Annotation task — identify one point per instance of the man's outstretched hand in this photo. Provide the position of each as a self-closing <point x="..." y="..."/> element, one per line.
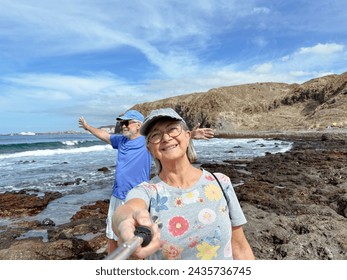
<point x="202" y="133"/>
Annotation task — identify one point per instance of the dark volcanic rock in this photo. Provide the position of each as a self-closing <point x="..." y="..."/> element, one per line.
<point x="82" y="238"/>
<point x="14" y="204"/>
<point x="295" y="202"/>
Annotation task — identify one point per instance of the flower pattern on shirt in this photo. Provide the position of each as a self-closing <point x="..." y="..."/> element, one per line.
<point x="159" y="203"/>
<point x="207" y="216"/>
<point x="194" y="223"/>
<point x="178" y="225"/>
<point x="191" y="197"/>
<point x="206" y="251"/>
<point x="215" y="239"/>
<point x="209" y="177"/>
<point x="179" y="201"/>
<point x="213" y="192"/>
<point x="171" y="251"/>
<point x="193" y="241"/>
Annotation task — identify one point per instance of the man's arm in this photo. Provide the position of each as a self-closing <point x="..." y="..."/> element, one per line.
<point x="202" y="133"/>
<point x="240" y="246"/>
<point x="100" y="133"/>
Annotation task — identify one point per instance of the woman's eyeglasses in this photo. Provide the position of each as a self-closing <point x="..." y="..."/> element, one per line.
<point x="156" y="136"/>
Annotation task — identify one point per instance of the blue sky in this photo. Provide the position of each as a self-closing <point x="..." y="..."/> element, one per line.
<point x="63" y="59"/>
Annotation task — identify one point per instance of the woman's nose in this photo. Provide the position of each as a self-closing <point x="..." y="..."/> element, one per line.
<point x="165" y="137"/>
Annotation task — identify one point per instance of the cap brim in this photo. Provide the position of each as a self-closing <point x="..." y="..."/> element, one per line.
<point x="149" y="122"/>
<point x="123" y="119"/>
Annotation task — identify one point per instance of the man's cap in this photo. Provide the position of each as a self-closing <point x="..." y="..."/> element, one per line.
<point x="156" y="115"/>
<point x="131" y="115"/>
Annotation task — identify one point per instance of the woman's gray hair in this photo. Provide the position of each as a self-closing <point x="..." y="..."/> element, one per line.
<point x="191" y="153"/>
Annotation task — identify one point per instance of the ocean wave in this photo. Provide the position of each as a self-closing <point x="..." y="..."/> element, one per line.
<point x="11" y="148"/>
<point x="73" y="142"/>
<point x="50" y="152"/>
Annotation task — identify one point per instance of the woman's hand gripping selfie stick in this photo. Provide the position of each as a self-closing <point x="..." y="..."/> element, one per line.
<point x="143" y="237"/>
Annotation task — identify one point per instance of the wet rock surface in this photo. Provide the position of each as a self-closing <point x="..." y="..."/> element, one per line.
<point x="295" y="204"/>
<point x="82" y="238"/>
<point x="24" y="203"/>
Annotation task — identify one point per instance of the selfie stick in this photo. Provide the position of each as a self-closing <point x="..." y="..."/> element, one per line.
<point x="143" y="237"/>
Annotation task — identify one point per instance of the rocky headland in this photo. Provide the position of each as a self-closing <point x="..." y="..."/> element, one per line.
<point x="295" y="202"/>
<point x="313" y="105"/>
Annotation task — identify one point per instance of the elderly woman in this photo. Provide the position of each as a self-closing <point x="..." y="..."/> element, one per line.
<point x="193" y="214"/>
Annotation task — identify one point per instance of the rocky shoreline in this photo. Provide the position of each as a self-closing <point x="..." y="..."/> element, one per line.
<point x="295" y="203"/>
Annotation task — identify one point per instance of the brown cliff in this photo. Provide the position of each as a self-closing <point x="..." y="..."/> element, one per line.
<point x="315" y="104"/>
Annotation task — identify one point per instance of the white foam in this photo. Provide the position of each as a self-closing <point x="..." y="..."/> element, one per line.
<point x="42" y="153"/>
<point x="71" y="142"/>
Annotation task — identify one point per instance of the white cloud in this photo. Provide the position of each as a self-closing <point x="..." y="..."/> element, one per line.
<point x="76" y="86"/>
<point x="100" y="95"/>
<point x="313" y="61"/>
<point x="299" y="73"/>
<point x="322" y="49"/>
<point x="93" y="91"/>
<point x="292" y="68"/>
<point x="164" y="38"/>
<point x="263" y="68"/>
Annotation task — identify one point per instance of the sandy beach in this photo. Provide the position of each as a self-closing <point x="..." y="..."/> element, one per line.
<point x="295" y="204"/>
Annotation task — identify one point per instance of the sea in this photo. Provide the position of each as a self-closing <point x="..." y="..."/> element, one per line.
<point x="70" y="163"/>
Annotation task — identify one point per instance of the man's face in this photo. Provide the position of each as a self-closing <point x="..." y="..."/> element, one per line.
<point x="130" y="128"/>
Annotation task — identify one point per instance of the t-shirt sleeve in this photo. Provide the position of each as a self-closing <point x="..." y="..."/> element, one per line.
<point x="236" y="213"/>
<point x="141" y="191"/>
<point x="115" y="140"/>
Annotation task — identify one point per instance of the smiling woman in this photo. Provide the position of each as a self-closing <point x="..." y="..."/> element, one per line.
<point x="182" y="199"/>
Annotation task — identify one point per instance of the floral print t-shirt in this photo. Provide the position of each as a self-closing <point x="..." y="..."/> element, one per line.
<point x="194" y="223"/>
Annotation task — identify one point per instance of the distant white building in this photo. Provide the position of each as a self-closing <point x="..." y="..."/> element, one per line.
<point x="108" y="129"/>
<point x="27" y="133"/>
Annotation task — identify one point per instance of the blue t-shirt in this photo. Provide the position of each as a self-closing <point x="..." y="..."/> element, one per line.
<point x="133" y="164"/>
